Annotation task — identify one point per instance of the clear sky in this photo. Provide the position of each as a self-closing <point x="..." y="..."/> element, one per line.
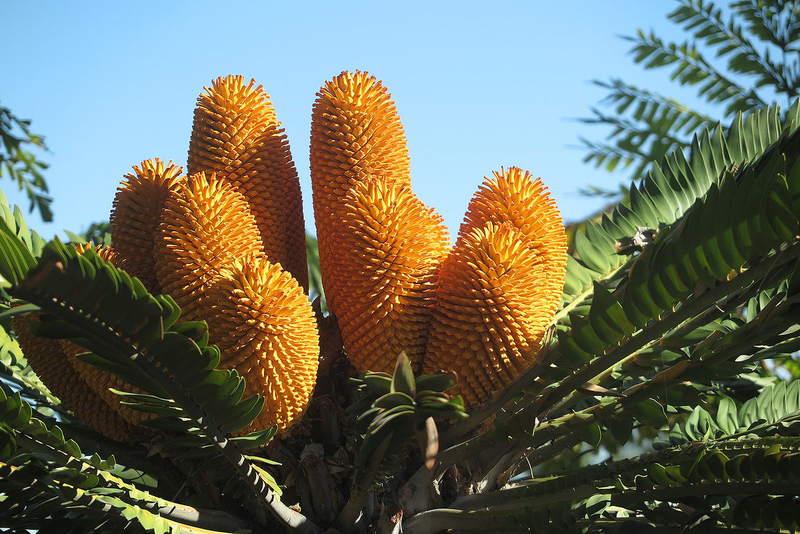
<point x="478" y="85"/>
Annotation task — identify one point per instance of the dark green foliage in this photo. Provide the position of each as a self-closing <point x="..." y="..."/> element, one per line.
<point x="669" y="189"/>
<point x="775" y="411"/>
<point x="697" y="474"/>
<point x="396" y="407"/>
<point x="22" y="165"/>
<point x="739" y="58"/>
<point x="47" y="480"/>
<point x="135" y="336"/>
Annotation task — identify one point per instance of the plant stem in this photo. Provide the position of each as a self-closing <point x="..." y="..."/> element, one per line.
<point x="516" y="512"/>
<point x="349" y="514"/>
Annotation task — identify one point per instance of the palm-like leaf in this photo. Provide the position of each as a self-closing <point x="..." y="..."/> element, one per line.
<point x="21" y="165"/>
<point x="134" y="335"/>
<point x="669" y="189"/>
<point x="739" y="63"/>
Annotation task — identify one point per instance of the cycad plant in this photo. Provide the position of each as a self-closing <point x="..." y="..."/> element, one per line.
<point x="182" y="381"/>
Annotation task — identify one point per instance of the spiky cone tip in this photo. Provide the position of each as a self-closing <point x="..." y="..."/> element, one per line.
<point x="135" y="217"/>
<point x="205" y="225"/>
<point x="236" y="134"/>
<point x="514" y="196"/>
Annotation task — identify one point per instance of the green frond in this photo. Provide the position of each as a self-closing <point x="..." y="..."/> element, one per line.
<point x="614" y="493"/>
<point x="394" y="407"/>
<point x="753" y="46"/>
<point x="742" y="218"/>
<point x="771" y="23"/>
<point x="87" y="487"/>
<point x="775" y="410"/>
<point x="669" y="189"/>
<point x="691" y="68"/>
<point x="135" y="336"/>
<point x="21" y="165"/>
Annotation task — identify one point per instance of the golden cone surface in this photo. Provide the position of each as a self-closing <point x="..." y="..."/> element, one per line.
<point x="492" y="310"/>
<point x="513" y="195"/>
<point x="263" y="323"/>
<point x="237" y="135"/>
<point x="355" y="133"/>
<point x="57" y="369"/>
<point x="135" y="217"/>
<point x="388" y="247"/>
<point x="205" y="225"/>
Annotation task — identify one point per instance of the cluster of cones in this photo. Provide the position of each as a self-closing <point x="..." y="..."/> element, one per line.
<point x="227" y="242"/>
<point x="480" y="308"/>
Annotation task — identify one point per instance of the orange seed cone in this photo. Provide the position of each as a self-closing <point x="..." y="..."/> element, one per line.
<point x="512" y="195"/>
<point x="237" y="135"/>
<point x="389" y="246"/>
<point x="135" y="217"/>
<point x="493" y="308"/>
<point x="205" y="225"/>
<point x="264" y="325"/>
<point x="355" y="133"/>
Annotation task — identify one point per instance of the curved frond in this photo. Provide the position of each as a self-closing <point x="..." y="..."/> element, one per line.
<point x="769" y="22"/>
<point x="742" y="218"/>
<point x="79" y="493"/>
<point x="775" y="410"/>
<point x="616" y="492"/>
<point x="135" y="336"/>
<point x="59" y="370"/>
<point x="691" y="68"/>
<point x="669" y="189"/>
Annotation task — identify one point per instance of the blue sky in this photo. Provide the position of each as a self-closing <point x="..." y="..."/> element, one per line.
<point x="477" y="87"/>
